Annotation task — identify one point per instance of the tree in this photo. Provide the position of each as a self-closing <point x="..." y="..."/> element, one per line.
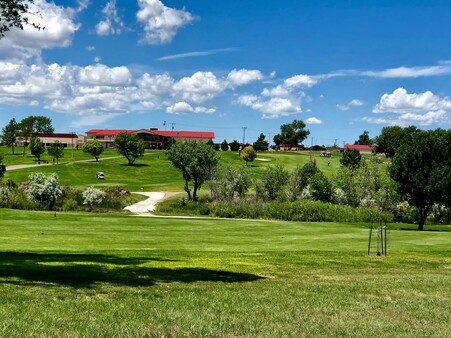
<point x="364" y="139"/>
<point x="2" y="166"/>
<point x="94" y="148"/>
<point x="274" y="179"/>
<point x="228" y="181"/>
<point x="13" y="13"/>
<point x="351" y="158"/>
<point x="129" y="146"/>
<point x="37" y="148"/>
<point x="32" y="125"/>
<point x="224" y="146"/>
<point x="235" y="145"/>
<point x="196" y="161"/>
<point x="390" y="139"/>
<point x="261" y="144"/>
<point x="9" y="134"/>
<point x="320" y="187"/>
<point x="422" y="168"/>
<point x="56" y="150"/>
<point x="248" y="154"/>
<point x="301" y="176"/>
<point x="44" y="189"/>
<point x="292" y="133"/>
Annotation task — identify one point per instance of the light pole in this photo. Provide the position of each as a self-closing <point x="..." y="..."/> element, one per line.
<point x="72" y="139"/>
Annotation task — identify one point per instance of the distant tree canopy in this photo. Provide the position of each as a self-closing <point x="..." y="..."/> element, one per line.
<point x="351" y="159"/>
<point x="129" y="146"/>
<point x="9" y="134"/>
<point x="390" y="139"/>
<point x="196" y="161"/>
<point x="364" y="139"/>
<point x="56" y="150"/>
<point x="37" y="148"/>
<point x="32" y="125"/>
<point x="235" y="145"/>
<point x="261" y="144"/>
<point x="422" y="168"/>
<point x="94" y="148"/>
<point x="291" y="133"/>
<point x="13" y="13"/>
<point x="224" y="146"/>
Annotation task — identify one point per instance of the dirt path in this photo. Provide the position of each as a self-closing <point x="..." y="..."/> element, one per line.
<point x="23" y="166"/>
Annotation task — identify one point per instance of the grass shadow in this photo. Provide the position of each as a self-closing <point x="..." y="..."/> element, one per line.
<point x="136" y="165"/>
<point x="86" y="270"/>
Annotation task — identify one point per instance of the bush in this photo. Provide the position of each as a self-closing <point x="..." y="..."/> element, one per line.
<point x="70" y="205"/>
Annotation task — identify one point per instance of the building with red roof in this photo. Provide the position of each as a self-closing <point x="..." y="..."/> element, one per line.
<point x="153" y="138"/>
<point x="366" y="149"/>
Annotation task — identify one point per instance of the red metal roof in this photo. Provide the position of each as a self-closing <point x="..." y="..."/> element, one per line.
<point x="359" y="147"/>
<point x="164" y="133"/>
<point x="184" y="134"/>
<point x="108" y="132"/>
<point x="58" y="135"/>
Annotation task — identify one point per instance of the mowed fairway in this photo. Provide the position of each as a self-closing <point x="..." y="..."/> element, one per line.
<point x="87" y="275"/>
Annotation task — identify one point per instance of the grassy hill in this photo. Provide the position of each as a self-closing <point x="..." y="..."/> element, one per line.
<point x="153" y="172"/>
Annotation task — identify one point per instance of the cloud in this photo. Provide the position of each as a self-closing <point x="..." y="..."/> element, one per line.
<point x="271" y="108"/>
<point x="411" y="72"/>
<point x="196" y="54"/>
<point x="300" y="81"/>
<point x="111" y="23"/>
<point x="60" y="27"/>
<point x="418" y="108"/>
<point x="181" y="108"/>
<point x="101" y="75"/>
<point x="400" y="102"/>
<point x="313" y="120"/>
<point x="161" y="23"/>
<point x="352" y="103"/>
<point x="243" y="77"/>
<point x="200" y="87"/>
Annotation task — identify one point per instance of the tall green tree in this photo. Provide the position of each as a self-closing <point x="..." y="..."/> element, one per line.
<point x="224" y="146"/>
<point x="261" y="144"/>
<point x="422" y="168"/>
<point x="365" y="139"/>
<point x="32" y="125"/>
<point x="291" y="133"/>
<point x="37" y="148"/>
<point x="234" y="145"/>
<point x="390" y="139"/>
<point x="94" y="148"/>
<point x="196" y="161"/>
<point x="56" y="150"/>
<point x="129" y="146"/>
<point x="9" y="134"/>
<point x="351" y="158"/>
<point x="13" y="14"/>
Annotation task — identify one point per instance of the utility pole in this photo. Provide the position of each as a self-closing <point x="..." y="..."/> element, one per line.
<point x="172" y="129"/>
<point x="244" y="135"/>
<point x="72" y="139"/>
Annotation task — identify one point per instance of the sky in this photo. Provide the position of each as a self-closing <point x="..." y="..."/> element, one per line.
<point x="238" y="68"/>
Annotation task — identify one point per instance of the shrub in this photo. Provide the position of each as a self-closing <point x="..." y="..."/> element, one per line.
<point x="274" y="181"/>
<point x="44" y="189"/>
<point x="70" y="205"/>
<point x="92" y="196"/>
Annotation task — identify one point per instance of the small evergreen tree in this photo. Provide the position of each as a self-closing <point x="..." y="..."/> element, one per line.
<point x="234" y="146"/>
<point x="261" y="144"/>
<point x="351" y="158"/>
<point x="224" y="146"/>
<point x="248" y="154"/>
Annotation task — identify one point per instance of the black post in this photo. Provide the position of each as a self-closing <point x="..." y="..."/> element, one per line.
<point x="385" y="238"/>
<point x="369" y="240"/>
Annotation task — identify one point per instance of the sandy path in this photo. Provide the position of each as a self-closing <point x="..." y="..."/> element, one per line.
<point x="145" y="208"/>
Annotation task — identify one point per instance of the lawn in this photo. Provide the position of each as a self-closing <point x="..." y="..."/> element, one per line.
<point x="87" y="275"/>
<point x="153" y="172"/>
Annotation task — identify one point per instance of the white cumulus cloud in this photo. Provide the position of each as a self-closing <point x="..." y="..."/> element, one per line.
<point x="161" y="22"/>
<point x="181" y="108"/>
<point x="200" y="87"/>
<point x="111" y="23"/>
<point x="313" y="120"/>
<point x="352" y="103"/>
<point x="402" y="108"/>
<point x="243" y="77"/>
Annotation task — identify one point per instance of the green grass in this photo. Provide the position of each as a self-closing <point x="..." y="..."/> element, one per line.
<point x="87" y="275"/>
<point x="153" y="172"/>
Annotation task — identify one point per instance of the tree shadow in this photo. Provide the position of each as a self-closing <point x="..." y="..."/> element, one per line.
<point x="86" y="270"/>
<point x="134" y="165"/>
<point x="425" y="230"/>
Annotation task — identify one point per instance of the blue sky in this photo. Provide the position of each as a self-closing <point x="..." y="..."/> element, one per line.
<point x="342" y="67"/>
